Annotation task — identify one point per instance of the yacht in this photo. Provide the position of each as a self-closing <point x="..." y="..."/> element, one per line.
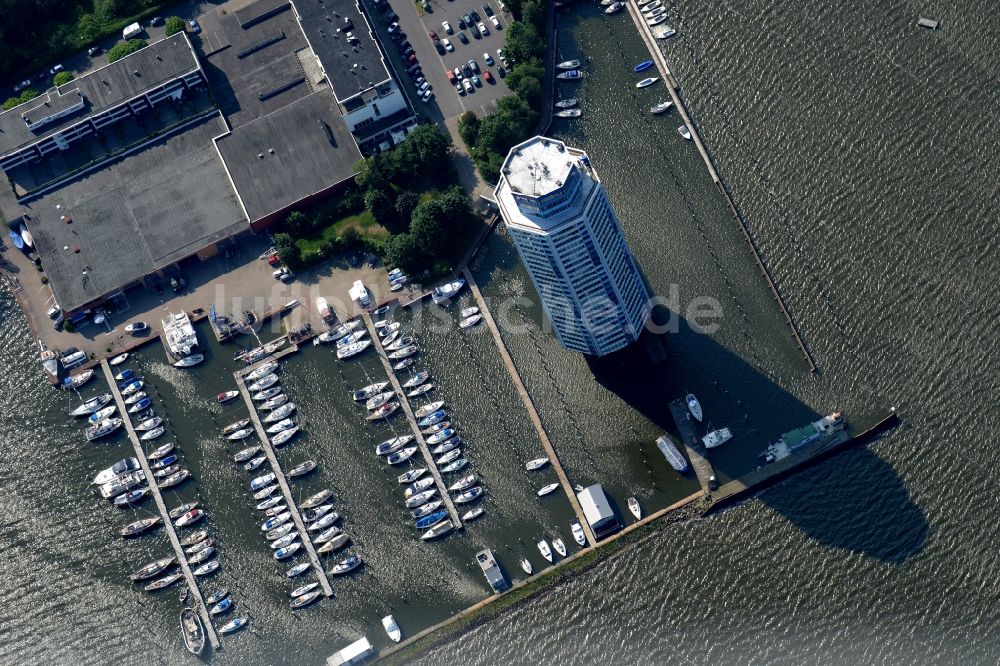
<point x="561" y="104"/>
<point x="179" y="334"/>
<point x="537" y="463"/>
<point x="123" y="466"/>
<point x="446" y="291"/>
<point x="578" y="534"/>
<point x="543" y="548"/>
<point x="569" y="64"/>
<point x="717" y="438"/>
<point x="392" y="629"/>
<point x="545" y="490"/>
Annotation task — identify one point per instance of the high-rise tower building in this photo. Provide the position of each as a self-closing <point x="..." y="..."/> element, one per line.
<point x="569" y="239"/>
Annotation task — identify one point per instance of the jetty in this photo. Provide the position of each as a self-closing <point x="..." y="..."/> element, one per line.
<point x="696" y="451"/>
<point x="161" y="506"/>
<point x="529" y="405"/>
<point x="279" y="473"/>
<point x="404" y="404"/>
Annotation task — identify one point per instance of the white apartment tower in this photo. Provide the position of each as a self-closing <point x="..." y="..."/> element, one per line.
<point x="569" y="239"/>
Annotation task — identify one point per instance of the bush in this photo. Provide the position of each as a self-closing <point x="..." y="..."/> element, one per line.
<point x="119" y="51"/>
<point x="468" y="127"/>
<point x="26" y="95"/>
<point x="62" y="78"/>
<point x="406" y="202"/>
<point x="288" y="251"/>
<point x="174" y="25"/>
<point x="68" y="326"/>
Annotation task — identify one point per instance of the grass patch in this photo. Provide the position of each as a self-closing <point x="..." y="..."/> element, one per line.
<point x="362" y="223"/>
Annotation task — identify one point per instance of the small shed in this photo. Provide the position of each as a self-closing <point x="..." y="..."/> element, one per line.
<point x="354" y="653"/>
<point x="597" y="510"/>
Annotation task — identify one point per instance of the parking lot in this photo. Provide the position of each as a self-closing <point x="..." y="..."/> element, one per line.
<point x="447" y="102"/>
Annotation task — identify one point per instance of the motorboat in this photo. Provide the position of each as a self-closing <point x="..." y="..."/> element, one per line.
<point x="103" y="429"/>
<point x="303" y="589"/>
<point x="143" y="404"/>
<point x="266" y="492"/>
<point x="298" y="569"/>
<point x="226" y="396"/>
<point x="418" y="487"/>
<point x="165" y="462"/>
<point x="694" y="406"/>
<point x="161" y="451"/>
<point x="645" y="83"/>
<point x="431" y="519"/>
<point x="200" y="546"/>
<point x="189" y="361"/>
<point x="438" y="530"/>
<point x="578" y="534"/>
<point x="420" y="498"/>
<point x="207" y="568"/>
<point x="392" y="629"/>
<point x="92" y="405"/>
<point x="261" y="481"/>
<point x="386" y="410"/>
<point x="390" y="446"/>
<point x="429" y="408"/>
<point x="403" y="353"/>
<point x="348" y="340"/>
<point x="614" y="8"/>
<point x="118" y="360"/>
<point x="285" y="541"/>
<point x="150" y="435"/>
<point x="412" y="475"/>
<point x="287" y="551"/>
<point x="463" y="483"/>
<point x="246" y="454"/>
<point x="284" y="424"/>
<point x="570" y="75"/>
<point x="545" y="490"/>
<point x="472" y="320"/>
<point x="437" y="427"/>
<point x="174" y="479"/>
<point x="326" y="313"/>
<point x="447" y="445"/>
<point x="537" y="463"/>
<point x="200" y="556"/>
<point x="672" y="454"/>
<point x="190" y="518"/>
<point x="345" y="566"/>
<point x="136" y="397"/>
<point x="326" y="535"/>
<point x="402" y="365"/>
<point x="431" y="419"/>
<point x="192" y="631"/>
<point x="137" y="327"/>
<point x="446" y="291"/>
<point x="441" y="435"/>
<point x="717" y="438"/>
<point x="667" y="34"/>
<point x="194" y="538"/>
<point x="282" y="437"/>
<point x="266" y="394"/>
<point x="301" y="469"/>
<point x="469" y="495"/>
<point x="179" y="511"/>
<point x="642" y="66"/>
<point x="526" y="566"/>
<point x="569" y="64"/>
<point x="282" y="412"/>
<point x="334" y="544"/>
<point x="471" y="515"/>
<point x="125" y="375"/>
<point x="274" y="403"/>
<point x="658" y="20"/>
<point x="388" y="328"/>
<point x="131" y="498"/>
<point x="132" y="386"/>
<point x="221" y="607"/>
<point x="123" y="466"/>
<point x="163" y="583"/>
<point x="353" y="349"/>
<point x="153" y="569"/>
<point x="122" y="484"/>
<point x="396" y="345"/>
<point x="427" y="509"/>
<point x="305" y="600"/>
<point x="662" y="107"/>
<point x="148" y="424"/>
<point x="633" y="506"/>
<point x="379" y="399"/>
<point x="235" y="624"/>
<point x="314" y="501"/>
<point x="417" y="379"/>
<point x="559" y="546"/>
<point x="543" y="548"/>
<point x="371" y="390"/>
<point x="217" y="596"/>
<point x="261" y="372"/>
<point x="140" y="526"/>
<point x="684" y="132"/>
<point x="454" y="466"/>
<point x="265" y="382"/>
<point x="254" y="464"/>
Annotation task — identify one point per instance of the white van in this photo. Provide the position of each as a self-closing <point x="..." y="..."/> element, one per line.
<point x="130" y="31"/>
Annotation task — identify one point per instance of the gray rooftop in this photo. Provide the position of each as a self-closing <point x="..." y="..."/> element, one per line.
<point x="539" y="166"/>
<point x="350" y="67"/>
<point x="101" y="89"/>
<point x="135" y="216"/>
<point x="313" y="150"/>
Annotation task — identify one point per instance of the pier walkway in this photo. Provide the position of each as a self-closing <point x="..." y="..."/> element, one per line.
<point x="692" y="442"/>
<point x="529" y="405"/>
<point x="404" y="404"/>
<point x="140" y="455"/>
<point x="286" y="490"/>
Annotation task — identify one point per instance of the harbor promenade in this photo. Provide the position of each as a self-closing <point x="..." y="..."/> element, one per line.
<point x="404" y="404"/>
<point x="286" y="491"/>
<point x="529" y="405"/>
<point x="140" y="454"/>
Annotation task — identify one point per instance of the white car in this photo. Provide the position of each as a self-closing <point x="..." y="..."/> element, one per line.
<point x="488" y="58"/>
<point x="423" y="88"/>
<point x="495" y="21"/>
<point x="503" y="7"/>
<point x="467" y="84"/>
<point x="483" y="29"/>
<point x="283" y="274"/>
<point x="22" y="85"/>
<point x="447" y="27"/>
<point x="427" y="95"/>
<point x="56" y="69"/>
<point x="448" y="46"/>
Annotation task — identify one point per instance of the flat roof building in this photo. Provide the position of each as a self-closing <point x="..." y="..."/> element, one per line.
<point x="597" y="510"/>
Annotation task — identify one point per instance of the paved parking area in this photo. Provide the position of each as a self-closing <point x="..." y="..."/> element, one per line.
<point x="447" y="103"/>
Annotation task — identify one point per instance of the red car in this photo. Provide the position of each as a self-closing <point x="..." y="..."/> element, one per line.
<point x="451" y="75"/>
<point x="433" y="35"/>
<point x="488" y="76"/>
<point x="274" y="259"/>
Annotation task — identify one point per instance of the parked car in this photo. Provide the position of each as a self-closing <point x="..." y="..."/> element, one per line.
<point x="448" y="46"/>
<point x="447" y="27"/>
<point x="427" y="95"/>
<point x="155" y="21"/>
<point x="424" y="87"/>
<point x="466" y="71"/>
<point x="433" y="35"/>
<point x="391" y="18"/>
<point x="274" y="259"/>
<point x="54" y="311"/>
<point x="474" y="66"/>
<point x="483" y="29"/>
<point x="458" y="73"/>
<point x="462" y="25"/>
<point x="467" y="85"/>
<point x="451" y="76"/>
<point x="22" y="85"/>
<point x="283" y="274"/>
<point x="488" y="76"/>
<point x="495" y="21"/>
<point x="488" y="59"/>
<point x="463" y="38"/>
<point x="194" y="27"/>
<point x="474" y="14"/>
<point x="503" y="6"/>
<point x="487" y="9"/>
<point x="93" y="50"/>
<point x="501" y="72"/>
<point x="56" y="69"/>
<point x="394" y="29"/>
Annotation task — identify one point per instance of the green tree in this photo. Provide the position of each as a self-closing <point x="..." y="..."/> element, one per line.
<point x="288" y="251"/>
<point x="406" y="202"/>
<point x="119" y="51"/>
<point x="523" y="43"/>
<point x="382" y="207"/>
<point x="530" y="90"/>
<point x="533" y="13"/>
<point x="402" y="251"/>
<point x="62" y="78"/>
<point x="468" y="127"/>
<point x="425" y="152"/>
<point x="296" y="223"/>
<point x="350" y="238"/>
<point x="173" y="25"/>
<point x="530" y="69"/>
<point x="26" y="95"/>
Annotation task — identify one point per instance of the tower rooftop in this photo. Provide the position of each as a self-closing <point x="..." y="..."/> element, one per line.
<point x="539" y="166"/>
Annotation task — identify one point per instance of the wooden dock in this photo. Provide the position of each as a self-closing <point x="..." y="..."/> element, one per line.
<point x="529" y="405"/>
<point x="696" y="451"/>
<point x="404" y="404"/>
<point x="140" y="455"/>
<point x="286" y="490"/>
